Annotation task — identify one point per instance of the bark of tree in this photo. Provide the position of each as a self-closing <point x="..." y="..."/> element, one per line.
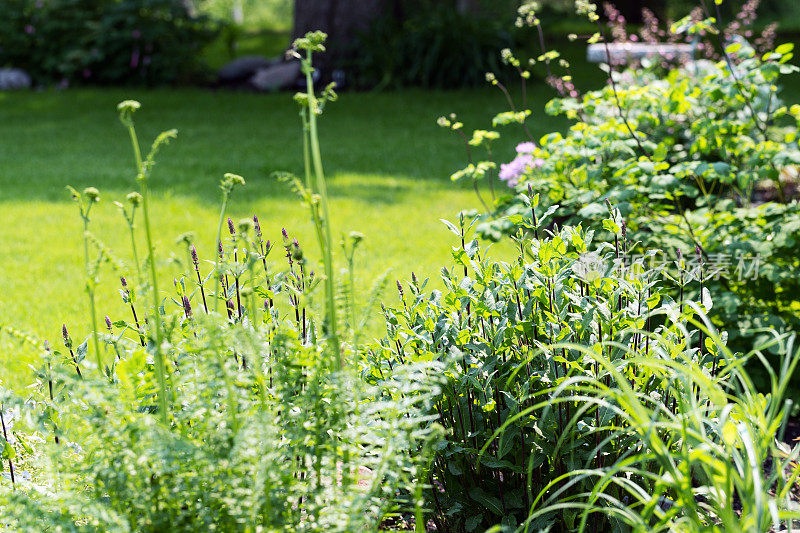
<point x="342" y="20"/>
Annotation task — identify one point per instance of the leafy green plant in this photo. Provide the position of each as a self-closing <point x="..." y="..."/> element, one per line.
<point x="581" y="396"/>
<point x="704" y="156"/>
<point x="514" y="336"/>
<point x="249" y="419"/>
<point x="713" y="461"/>
<point x="433" y="45"/>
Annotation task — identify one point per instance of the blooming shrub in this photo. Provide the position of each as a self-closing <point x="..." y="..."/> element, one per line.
<point x="703" y="155"/>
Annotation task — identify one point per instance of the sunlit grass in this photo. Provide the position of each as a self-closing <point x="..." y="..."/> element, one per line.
<point x="388" y="163"/>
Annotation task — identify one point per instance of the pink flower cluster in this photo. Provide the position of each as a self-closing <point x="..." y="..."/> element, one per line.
<point x="511" y="172"/>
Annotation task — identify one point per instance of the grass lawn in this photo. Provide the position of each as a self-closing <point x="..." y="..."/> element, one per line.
<point x="387" y="162"/>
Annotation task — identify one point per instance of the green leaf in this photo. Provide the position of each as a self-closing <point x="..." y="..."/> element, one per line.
<point x="489" y="502"/>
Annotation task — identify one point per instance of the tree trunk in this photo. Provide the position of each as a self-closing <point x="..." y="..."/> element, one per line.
<point x="342" y="20"/>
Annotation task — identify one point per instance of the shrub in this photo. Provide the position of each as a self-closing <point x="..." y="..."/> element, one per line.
<point x="103" y="41"/>
<point x="434" y="46"/>
<point x="577" y="388"/>
<point x="704" y="155"/>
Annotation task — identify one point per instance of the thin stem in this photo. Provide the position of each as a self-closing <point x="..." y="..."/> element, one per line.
<point x="313" y="139"/>
<point x="159" y="356"/>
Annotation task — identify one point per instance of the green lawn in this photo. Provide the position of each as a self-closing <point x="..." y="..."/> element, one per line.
<point x="388" y="166"/>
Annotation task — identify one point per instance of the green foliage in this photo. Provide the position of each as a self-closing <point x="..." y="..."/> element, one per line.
<point x="195" y="420"/>
<point x="103" y="41"/>
<point x="432" y="45"/>
<point x="283" y="441"/>
<point x="517" y="338"/>
<point x="716" y="461"/>
<point x="703" y="156"/>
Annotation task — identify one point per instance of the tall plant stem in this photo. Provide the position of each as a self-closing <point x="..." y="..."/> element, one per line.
<point x="158" y="355"/>
<point x="321" y="189"/>
<point x="90" y="284"/>
<point x="218" y="263"/>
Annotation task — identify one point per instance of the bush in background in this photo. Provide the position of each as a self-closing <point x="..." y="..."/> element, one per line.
<point x="432" y="46"/>
<point x="103" y="41"/>
<point x="703" y="155"/>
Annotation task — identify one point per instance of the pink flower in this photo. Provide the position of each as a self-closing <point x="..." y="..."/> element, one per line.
<point x="511" y="172"/>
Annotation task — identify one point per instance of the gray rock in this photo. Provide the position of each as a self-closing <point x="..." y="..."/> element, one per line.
<point x="14" y="78"/>
<point x="243" y="68"/>
<point x="627" y="52"/>
<point x="278" y="76"/>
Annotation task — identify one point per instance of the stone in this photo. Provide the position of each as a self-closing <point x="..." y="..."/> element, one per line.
<point x="243" y="68"/>
<point x="14" y="78"/>
<point x="276" y="77"/>
<point x="627" y="52"/>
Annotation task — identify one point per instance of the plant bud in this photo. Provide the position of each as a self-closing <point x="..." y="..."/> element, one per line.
<point x="193" y="252"/>
<point x="230" y="226"/>
<point x="65" y="335"/>
<point x="92" y="194"/>
<point x="187" y="307"/>
<point x="245" y="225"/>
<point x="124" y="282"/>
<point x="128" y="106"/>
<point x="257" y="225"/>
<point x="108" y="323"/>
<point x="134" y="198"/>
